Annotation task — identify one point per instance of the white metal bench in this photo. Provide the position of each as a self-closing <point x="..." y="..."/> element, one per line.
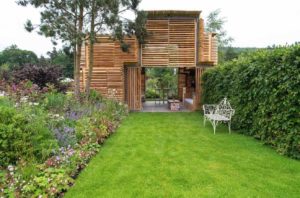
<point x="219" y="113"/>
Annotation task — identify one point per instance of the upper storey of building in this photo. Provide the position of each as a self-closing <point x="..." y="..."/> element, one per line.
<point x="177" y="38"/>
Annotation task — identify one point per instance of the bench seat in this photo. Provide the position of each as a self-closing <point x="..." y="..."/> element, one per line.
<point x="216" y="114"/>
<point x="217" y="117"/>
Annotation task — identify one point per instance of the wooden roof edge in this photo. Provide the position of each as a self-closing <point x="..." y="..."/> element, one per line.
<point x="173" y="13"/>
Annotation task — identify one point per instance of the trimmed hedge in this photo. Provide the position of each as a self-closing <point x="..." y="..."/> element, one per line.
<point x="264" y="89"/>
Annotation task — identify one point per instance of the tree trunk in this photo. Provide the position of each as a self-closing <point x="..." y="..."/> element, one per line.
<point x="91" y="50"/>
<point x="74" y="62"/>
<point x="78" y="52"/>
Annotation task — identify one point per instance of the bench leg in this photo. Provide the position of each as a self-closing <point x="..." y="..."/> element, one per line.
<point x="214" y="126"/>
<point x="204" y="120"/>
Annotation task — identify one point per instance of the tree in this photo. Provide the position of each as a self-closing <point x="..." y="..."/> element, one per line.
<point x="14" y="57"/>
<point x="107" y="16"/>
<point x="64" y="58"/>
<point x="214" y="23"/>
<point x="230" y="54"/>
<point x="71" y="21"/>
<point x="62" y="20"/>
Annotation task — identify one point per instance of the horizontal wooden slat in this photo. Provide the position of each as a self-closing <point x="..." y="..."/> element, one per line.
<point x="171" y="43"/>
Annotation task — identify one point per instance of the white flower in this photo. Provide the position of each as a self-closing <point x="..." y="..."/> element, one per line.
<point x="10" y="168"/>
<point x="67" y="80"/>
<point x="2" y="93"/>
<point x="24" y="99"/>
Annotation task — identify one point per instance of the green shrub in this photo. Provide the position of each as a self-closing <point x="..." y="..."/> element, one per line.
<point x="264" y="89"/>
<point x="54" y="102"/>
<point x="151" y="94"/>
<point x="4" y="101"/>
<point x="24" y="135"/>
<point x="95" y="96"/>
<point x="84" y="129"/>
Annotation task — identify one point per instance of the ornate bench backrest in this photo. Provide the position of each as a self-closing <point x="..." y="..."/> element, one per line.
<point x="224" y="108"/>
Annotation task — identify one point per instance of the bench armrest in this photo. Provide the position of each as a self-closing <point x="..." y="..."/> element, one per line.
<point x="209" y="108"/>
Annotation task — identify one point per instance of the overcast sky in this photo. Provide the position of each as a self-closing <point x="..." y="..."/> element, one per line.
<point x="252" y="23"/>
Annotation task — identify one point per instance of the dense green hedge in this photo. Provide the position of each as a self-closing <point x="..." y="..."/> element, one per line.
<point x="264" y="89"/>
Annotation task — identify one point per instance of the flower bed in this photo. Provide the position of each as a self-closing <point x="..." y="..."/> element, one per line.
<point x="47" y="138"/>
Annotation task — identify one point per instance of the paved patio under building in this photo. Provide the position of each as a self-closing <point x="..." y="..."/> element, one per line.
<point x="160" y="106"/>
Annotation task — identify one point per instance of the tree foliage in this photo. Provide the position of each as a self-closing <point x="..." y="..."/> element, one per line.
<point x="40" y="75"/>
<point x="14" y="57"/>
<point x="73" y="21"/>
<point x="215" y="23"/>
<point x="161" y="78"/>
<point x="63" y="58"/>
<point x="230" y="53"/>
<point x="263" y="87"/>
<point x="62" y="20"/>
<point x="108" y="16"/>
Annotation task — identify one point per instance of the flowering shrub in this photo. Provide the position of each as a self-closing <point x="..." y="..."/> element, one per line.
<point x="65" y="135"/>
<point x="24" y="91"/>
<point x="49" y="138"/>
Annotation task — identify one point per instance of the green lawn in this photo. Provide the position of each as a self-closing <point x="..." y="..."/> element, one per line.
<point x="174" y="155"/>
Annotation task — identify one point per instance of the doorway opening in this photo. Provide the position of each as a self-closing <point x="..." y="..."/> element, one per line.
<point x="167" y="89"/>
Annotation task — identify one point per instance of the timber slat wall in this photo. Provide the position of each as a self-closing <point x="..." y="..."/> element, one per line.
<point x="209" y="48"/>
<point x="171" y="42"/>
<point x="82" y="67"/>
<point x="176" y="39"/>
<point x="108" y="70"/>
<point x="200" y="40"/>
<point x="214" y="49"/>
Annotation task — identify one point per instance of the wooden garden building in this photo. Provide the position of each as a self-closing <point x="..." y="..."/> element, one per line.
<point x="175" y="39"/>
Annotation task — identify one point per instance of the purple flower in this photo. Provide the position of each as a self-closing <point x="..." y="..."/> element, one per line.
<point x="65" y="136"/>
<point x="14" y="87"/>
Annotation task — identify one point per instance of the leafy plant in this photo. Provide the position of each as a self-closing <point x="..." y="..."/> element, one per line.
<point x="48" y="137"/>
<point x="263" y="87"/>
<point x="65" y="135"/>
<point x="48" y="182"/>
<point x="24" y="135"/>
<point x="54" y="102"/>
<point x="41" y="75"/>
